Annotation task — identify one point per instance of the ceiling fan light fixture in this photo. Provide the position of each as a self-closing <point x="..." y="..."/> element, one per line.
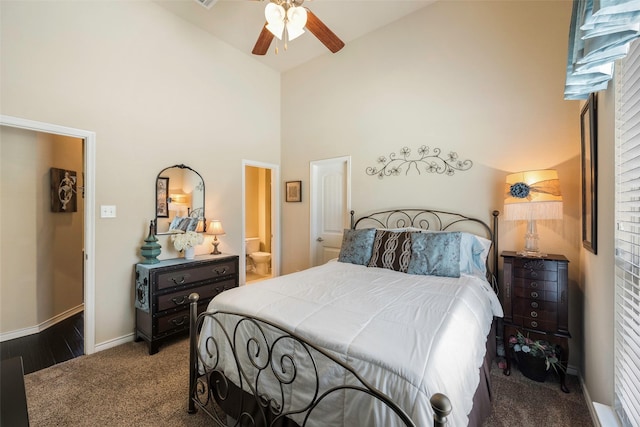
<point x="275" y="15"/>
<point x="296" y="20"/>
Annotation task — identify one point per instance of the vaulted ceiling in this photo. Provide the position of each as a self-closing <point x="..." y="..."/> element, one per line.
<point x="239" y="22"/>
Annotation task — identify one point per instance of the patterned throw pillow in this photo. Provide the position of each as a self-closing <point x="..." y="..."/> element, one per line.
<point x="391" y="250"/>
<point x="356" y="246"/>
<point x="435" y="254"/>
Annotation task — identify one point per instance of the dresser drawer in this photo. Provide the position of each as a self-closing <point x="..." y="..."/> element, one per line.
<point x="535" y="264"/>
<point x="186" y="276"/>
<point x="536" y="285"/>
<point x="546" y="275"/>
<point x="176" y="321"/>
<point x="181" y="297"/>
<point x="524" y="306"/>
<point x="527" y="322"/>
<point x="521" y="292"/>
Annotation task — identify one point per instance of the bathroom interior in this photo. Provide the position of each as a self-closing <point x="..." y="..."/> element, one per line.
<point x="258" y="223"/>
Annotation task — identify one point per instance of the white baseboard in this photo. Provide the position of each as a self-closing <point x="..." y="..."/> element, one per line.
<point x="114" y="342"/>
<point x="601" y="415"/>
<point x="6" y="336"/>
<point x="589" y="402"/>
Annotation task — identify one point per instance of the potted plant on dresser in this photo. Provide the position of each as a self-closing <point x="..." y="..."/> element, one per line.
<point x="535" y="358"/>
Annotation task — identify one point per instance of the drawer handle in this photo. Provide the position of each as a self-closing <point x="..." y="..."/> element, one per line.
<point x="534" y="273"/>
<point x="534" y="294"/>
<point x="534" y="324"/>
<point x="534" y="284"/>
<point x="178" y="282"/>
<point x="534" y="304"/>
<point x="219" y="289"/>
<point x="222" y="271"/>
<point x="180" y="300"/>
<point x="534" y="314"/>
<point x="181" y="321"/>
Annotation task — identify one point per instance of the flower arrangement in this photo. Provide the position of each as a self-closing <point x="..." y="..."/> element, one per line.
<point x="182" y="240"/>
<point x="538" y="348"/>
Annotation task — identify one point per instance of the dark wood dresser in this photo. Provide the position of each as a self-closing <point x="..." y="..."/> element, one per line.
<point x="535" y="299"/>
<point x="162" y="293"/>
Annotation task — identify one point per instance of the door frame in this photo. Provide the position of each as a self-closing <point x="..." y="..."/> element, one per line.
<point x="275" y="218"/>
<point x="89" y="156"/>
<point x="315" y="197"/>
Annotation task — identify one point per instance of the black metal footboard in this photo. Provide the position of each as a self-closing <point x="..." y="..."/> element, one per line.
<point x="256" y="373"/>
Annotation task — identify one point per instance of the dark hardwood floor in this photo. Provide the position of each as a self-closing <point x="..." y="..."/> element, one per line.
<point x="58" y="343"/>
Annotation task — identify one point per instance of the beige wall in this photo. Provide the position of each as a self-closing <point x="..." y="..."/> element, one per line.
<point x="41" y="250"/>
<point x="20" y="189"/>
<point x="157" y="91"/>
<point x="597" y="275"/>
<point x="488" y="87"/>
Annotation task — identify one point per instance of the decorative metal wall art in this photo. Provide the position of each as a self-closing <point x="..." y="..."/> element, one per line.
<point x="427" y="161"/>
<point x="63" y="190"/>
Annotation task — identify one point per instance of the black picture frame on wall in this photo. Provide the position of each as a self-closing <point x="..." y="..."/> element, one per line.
<point x="589" y="162"/>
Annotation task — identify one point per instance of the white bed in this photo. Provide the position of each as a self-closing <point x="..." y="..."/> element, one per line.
<point x="408" y="336"/>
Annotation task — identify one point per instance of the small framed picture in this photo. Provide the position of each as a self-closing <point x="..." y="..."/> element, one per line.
<point x="294" y="191"/>
<point x="162" y="196"/>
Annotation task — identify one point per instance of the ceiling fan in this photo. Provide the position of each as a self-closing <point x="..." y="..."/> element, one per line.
<point x="286" y="20"/>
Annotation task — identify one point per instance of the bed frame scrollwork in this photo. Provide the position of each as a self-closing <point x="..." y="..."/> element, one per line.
<point x="268" y="349"/>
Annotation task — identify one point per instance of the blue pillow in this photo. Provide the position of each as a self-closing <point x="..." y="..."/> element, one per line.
<point x="357" y="246"/>
<point x="435" y="254"/>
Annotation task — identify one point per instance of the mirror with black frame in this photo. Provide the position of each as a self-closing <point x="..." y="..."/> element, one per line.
<point x="179" y="201"/>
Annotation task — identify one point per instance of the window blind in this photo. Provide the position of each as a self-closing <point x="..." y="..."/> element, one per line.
<point x="627" y="243"/>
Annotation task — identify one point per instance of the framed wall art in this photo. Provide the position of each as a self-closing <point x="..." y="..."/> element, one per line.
<point x="589" y="162"/>
<point x="162" y="197"/>
<point x="293" y="191"/>
<point x="63" y="190"/>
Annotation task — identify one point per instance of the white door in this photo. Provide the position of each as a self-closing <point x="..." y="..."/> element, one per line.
<point x="330" y="205"/>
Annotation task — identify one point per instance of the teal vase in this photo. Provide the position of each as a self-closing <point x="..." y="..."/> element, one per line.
<point x="151" y="248"/>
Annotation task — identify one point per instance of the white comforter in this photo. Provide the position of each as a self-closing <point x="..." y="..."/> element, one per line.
<point x="409" y="336"/>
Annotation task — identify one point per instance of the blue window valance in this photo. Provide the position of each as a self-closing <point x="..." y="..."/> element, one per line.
<point x="600" y="33"/>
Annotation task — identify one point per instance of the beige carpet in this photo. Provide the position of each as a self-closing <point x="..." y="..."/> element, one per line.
<point x="124" y="386"/>
<point x="519" y="401"/>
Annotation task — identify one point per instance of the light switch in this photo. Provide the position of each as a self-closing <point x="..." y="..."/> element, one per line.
<point x="107" y="211"/>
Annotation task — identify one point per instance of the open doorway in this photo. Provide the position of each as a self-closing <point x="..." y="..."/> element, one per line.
<point x="260" y="222"/>
<point x="85" y="262"/>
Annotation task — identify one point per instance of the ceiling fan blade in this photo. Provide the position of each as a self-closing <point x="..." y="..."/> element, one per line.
<point x="323" y="33"/>
<point x="263" y="42"/>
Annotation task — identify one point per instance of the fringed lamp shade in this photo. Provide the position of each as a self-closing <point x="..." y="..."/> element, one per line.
<point x="533" y="195"/>
<point x="529" y="196"/>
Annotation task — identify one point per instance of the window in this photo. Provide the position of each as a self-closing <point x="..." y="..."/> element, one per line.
<point x="627" y="245"/>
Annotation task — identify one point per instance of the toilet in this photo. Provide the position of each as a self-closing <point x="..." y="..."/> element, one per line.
<point x="262" y="260"/>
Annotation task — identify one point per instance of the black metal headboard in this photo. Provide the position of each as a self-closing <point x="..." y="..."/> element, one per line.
<point x="434" y="220"/>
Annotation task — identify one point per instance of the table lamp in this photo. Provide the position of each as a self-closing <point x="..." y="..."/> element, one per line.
<point x="215" y="229"/>
<point x="532" y="195"/>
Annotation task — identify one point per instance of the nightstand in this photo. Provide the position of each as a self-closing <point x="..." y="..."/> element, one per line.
<point x="535" y="299"/>
<point x="162" y="293"/>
